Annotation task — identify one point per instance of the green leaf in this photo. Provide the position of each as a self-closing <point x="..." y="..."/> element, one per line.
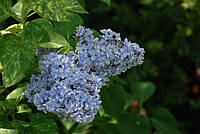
<point x="96" y="34"/>
<point x="107" y="128"/>
<point x="114" y="99"/>
<point x="37" y="29"/>
<point x="74" y="6"/>
<point x="12" y="29"/>
<point x="2" y="108"/>
<point x="17" y="93"/>
<point x="16" y="56"/>
<point x="81" y="129"/>
<point x="8" y="131"/>
<point x="56" y="10"/>
<point x="164" y="122"/>
<point x="42" y="124"/>
<point x="130" y="124"/>
<point x="34" y="69"/>
<point x="3" y="115"/>
<point x="23" y="108"/>
<point x="10" y="104"/>
<point x="18" y="124"/>
<point x="67" y="124"/>
<point x="72" y="43"/>
<point x="142" y="91"/>
<point x="5" y="9"/>
<point x="68" y="28"/>
<point x="106" y="1"/>
<point x="119" y="80"/>
<point x="2" y="90"/>
<point x="128" y="100"/>
<point x="20" y="11"/>
<point x="56" y="41"/>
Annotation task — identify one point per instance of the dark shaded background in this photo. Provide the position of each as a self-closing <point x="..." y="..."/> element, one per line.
<point x="169" y="32"/>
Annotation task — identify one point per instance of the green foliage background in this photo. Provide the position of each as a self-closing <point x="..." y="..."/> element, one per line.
<point x="133" y="102"/>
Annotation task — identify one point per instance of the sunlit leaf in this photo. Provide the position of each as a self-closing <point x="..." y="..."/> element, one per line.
<point x="12" y="29"/>
<point x="23" y="108"/>
<point x="16" y="56"/>
<point x="56" y="41"/>
<point x="37" y="29"/>
<point x="74" y="6"/>
<point x="9" y="131"/>
<point x="68" y="27"/>
<point x="20" y="11"/>
<point x="17" y="93"/>
<point x="56" y="10"/>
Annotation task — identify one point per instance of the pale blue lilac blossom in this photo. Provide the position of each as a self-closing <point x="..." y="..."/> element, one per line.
<point x="65" y="89"/>
<point x="69" y="85"/>
<point x="108" y="56"/>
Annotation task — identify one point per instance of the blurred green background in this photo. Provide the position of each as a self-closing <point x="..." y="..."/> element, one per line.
<point x="169" y="32"/>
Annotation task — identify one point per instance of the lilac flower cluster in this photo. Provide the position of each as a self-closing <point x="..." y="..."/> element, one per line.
<point x="65" y="90"/>
<point x="69" y="85"/>
<point x="108" y="56"/>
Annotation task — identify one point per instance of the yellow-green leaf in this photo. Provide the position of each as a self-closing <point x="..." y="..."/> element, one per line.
<point x="9" y="131"/>
<point x="56" y="41"/>
<point x="16" y="57"/>
<point x="23" y="108"/>
<point x="67" y="28"/>
<point x="17" y="93"/>
<point x="58" y="10"/>
<point x="20" y="11"/>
